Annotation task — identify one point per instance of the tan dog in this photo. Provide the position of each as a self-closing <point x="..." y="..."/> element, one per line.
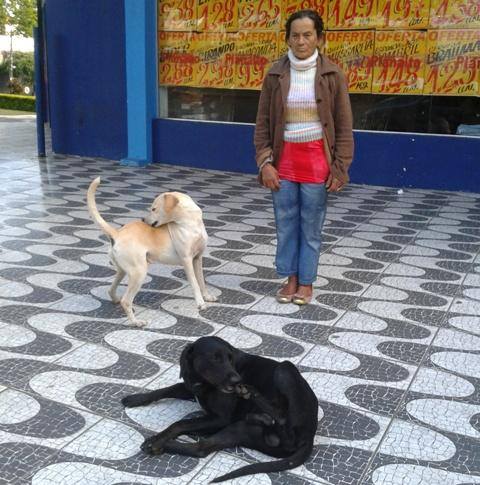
<point x="173" y="233"/>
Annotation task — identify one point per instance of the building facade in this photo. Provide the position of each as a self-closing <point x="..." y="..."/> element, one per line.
<point x="177" y="81"/>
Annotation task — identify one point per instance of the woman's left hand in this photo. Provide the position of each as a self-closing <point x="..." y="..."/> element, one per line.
<point x="333" y="184"/>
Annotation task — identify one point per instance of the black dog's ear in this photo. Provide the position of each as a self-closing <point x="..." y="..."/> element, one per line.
<point x="186" y="362"/>
<point x="236" y="356"/>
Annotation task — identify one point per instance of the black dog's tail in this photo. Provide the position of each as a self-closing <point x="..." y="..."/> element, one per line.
<point x="298" y="458"/>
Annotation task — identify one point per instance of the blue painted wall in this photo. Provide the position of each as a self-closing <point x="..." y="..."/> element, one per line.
<point x="219" y="146"/>
<point x="85" y="42"/>
<point x="389" y="159"/>
<point x="420" y="161"/>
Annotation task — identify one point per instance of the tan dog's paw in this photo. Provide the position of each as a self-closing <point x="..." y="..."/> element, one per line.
<point x="139" y="323"/>
<point x="202" y="306"/>
<point x="209" y="297"/>
<point x="113" y="296"/>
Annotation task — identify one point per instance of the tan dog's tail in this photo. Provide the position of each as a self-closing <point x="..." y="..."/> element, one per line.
<point x="92" y="208"/>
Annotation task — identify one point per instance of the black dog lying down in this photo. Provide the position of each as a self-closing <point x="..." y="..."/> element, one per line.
<point x="249" y="401"/>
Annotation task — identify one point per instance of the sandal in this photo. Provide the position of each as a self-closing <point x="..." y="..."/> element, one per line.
<point x="282" y="298"/>
<point x="301" y="300"/>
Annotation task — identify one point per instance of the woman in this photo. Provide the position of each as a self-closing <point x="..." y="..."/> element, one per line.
<point x="304" y="148"/>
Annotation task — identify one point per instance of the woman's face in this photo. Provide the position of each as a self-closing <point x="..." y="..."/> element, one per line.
<point x="303" y="38"/>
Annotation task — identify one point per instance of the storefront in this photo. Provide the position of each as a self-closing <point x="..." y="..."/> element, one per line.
<point x="194" y="68"/>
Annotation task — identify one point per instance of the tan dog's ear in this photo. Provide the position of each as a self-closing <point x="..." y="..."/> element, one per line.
<point x="170" y="201"/>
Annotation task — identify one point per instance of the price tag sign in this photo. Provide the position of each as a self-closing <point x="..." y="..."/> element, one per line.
<point x="399" y="62"/>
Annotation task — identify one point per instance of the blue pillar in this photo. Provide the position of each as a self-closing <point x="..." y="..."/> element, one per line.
<point x="141" y="67"/>
<point x="39" y="83"/>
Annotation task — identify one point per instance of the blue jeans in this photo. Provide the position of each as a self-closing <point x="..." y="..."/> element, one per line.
<point x="300" y="210"/>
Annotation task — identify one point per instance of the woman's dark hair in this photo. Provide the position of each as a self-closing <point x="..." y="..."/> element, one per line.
<point x="300" y="14"/>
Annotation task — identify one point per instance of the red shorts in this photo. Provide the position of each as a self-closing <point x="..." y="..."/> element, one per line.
<point x="303" y="162"/>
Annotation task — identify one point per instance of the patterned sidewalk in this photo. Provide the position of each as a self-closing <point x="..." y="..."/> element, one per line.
<point x="391" y="346"/>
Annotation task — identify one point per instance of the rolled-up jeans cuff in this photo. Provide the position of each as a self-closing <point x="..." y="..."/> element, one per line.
<point x="307" y="283"/>
<point x="285" y="274"/>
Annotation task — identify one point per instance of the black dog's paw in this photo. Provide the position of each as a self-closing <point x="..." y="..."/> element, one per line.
<point x="133" y="400"/>
<point x="243" y="391"/>
<point x="262" y="419"/>
<point x="152" y="446"/>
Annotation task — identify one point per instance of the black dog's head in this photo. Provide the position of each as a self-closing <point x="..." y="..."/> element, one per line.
<point x="210" y="360"/>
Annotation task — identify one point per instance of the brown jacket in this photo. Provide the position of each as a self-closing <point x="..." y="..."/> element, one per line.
<point x="334" y="111"/>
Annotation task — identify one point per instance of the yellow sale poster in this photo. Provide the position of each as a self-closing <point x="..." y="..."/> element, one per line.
<point x="215" y="52"/>
<point x="352" y="14"/>
<point x="259" y="14"/>
<point x="176" y="59"/>
<point x="255" y="52"/>
<point x="177" y="15"/>
<point x="353" y="52"/>
<point x="291" y="6"/>
<point x="455" y="13"/>
<point x="399" y="62"/>
<point x="403" y="14"/>
<point x="452" y="62"/>
<point x="282" y="47"/>
<point x="217" y="15"/>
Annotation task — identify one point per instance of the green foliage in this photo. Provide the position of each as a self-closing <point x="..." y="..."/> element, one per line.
<point x="19" y="14"/>
<point x="23" y="67"/>
<point x="16" y="102"/>
<point x="3" y="17"/>
<point x="4" y="67"/>
<point x="23" y="70"/>
<point x="24" y="15"/>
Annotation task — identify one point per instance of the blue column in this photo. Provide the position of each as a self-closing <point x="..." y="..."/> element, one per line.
<point x="39" y="104"/>
<point x="141" y="67"/>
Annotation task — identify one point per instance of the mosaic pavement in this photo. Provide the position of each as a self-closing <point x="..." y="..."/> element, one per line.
<point x="391" y="345"/>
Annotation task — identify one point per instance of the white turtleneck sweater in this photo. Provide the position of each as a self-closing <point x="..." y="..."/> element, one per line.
<point x="302" y="121"/>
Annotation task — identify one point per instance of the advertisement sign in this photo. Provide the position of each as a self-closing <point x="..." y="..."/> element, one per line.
<point x="282" y="47"/>
<point x="452" y="62"/>
<point x="455" y="13"/>
<point x="215" y="52"/>
<point x="255" y="52"/>
<point x="217" y="15"/>
<point x="291" y="6"/>
<point x="353" y="52"/>
<point x="352" y="14"/>
<point x="232" y="43"/>
<point x="259" y="14"/>
<point x="177" y="15"/>
<point x="403" y="14"/>
<point x="177" y="60"/>
<point x="399" y="62"/>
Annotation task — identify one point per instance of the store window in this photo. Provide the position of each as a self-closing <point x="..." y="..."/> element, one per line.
<point x="412" y="66"/>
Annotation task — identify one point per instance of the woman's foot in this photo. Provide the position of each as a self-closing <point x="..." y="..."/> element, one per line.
<point x="286" y="293"/>
<point x="303" y="296"/>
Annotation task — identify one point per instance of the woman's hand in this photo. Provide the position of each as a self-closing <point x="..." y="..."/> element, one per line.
<point x="270" y="178"/>
<point x="333" y="184"/>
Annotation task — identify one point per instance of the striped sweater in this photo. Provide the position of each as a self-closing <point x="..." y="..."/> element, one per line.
<point x="301" y="116"/>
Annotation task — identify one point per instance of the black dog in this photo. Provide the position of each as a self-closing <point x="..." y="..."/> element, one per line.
<point x="249" y="401"/>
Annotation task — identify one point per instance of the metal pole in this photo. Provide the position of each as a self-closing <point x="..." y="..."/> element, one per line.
<point x="11" y="55"/>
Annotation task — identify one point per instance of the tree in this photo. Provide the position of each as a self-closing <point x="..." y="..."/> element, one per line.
<point x="24" y="16"/>
<point x="20" y="15"/>
<point x="3" y="17"/>
<point x="23" y="70"/>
